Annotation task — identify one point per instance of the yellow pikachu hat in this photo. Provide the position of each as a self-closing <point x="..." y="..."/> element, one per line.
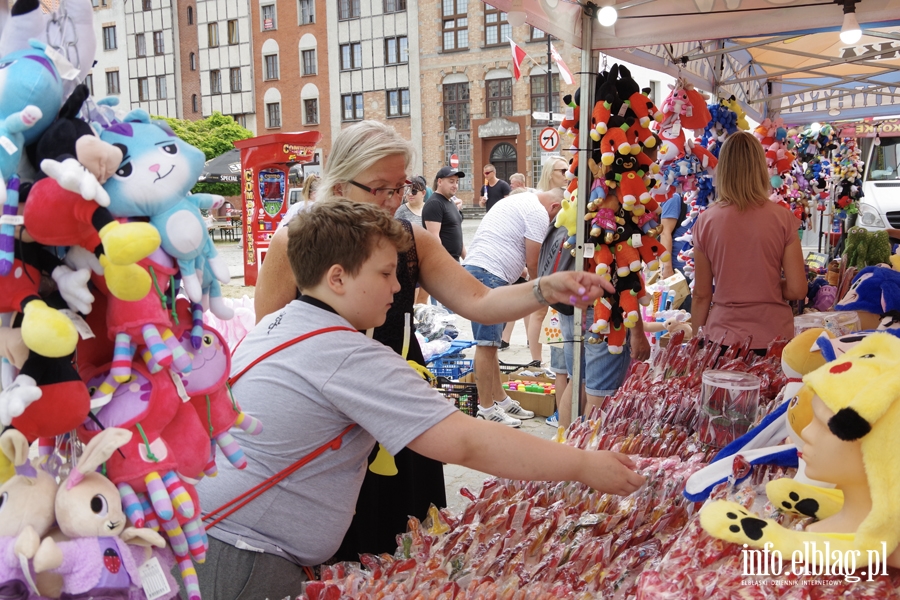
<point x="862" y="388"/>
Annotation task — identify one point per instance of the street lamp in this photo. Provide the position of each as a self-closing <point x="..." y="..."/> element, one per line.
<point x="451" y="136"/>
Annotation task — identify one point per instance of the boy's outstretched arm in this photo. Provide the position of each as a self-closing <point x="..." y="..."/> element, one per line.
<point x="505" y="452"/>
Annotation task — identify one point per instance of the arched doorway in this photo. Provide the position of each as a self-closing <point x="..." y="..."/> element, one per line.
<point x="505" y="160"/>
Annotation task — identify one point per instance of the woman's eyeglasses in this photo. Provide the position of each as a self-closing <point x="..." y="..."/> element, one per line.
<point x="561" y="170"/>
<point x="383" y="193"/>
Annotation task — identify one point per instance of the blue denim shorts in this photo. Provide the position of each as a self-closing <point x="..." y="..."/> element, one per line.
<point x="603" y="372"/>
<point x="487" y="335"/>
<point x="558" y="359"/>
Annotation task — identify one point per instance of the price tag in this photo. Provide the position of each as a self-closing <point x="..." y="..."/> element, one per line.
<point x="179" y="386"/>
<point x="66" y="69"/>
<point x="8" y="145"/>
<point x="636" y="240"/>
<point x="570" y="113"/>
<point x="12" y="220"/>
<point x="153" y="579"/>
<point x="84" y="330"/>
<point x="589" y="250"/>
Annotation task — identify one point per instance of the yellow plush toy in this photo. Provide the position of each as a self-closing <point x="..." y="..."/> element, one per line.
<point x="851" y="440"/>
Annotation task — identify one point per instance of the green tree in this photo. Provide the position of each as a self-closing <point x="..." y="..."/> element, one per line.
<point x="213" y="135"/>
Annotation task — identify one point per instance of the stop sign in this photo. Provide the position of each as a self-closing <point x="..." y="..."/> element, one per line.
<point x="454" y="161"/>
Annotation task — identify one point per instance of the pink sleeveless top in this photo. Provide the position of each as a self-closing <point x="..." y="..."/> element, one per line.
<point x="745" y="250"/>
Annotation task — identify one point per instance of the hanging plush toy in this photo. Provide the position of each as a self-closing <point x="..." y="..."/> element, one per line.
<point x="101" y="556"/>
<point x="153" y="181"/>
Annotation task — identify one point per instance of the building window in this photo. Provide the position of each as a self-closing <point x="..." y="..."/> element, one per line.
<point x="499" y="97"/>
<point x="161" y="87"/>
<point x="240" y="120"/>
<point x="394" y="5"/>
<point x="539" y="101"/>
<point x="537" y="34"/>
<point x="145" y="4"/>
<point x="159" y="43"/>
<point x="190" y="12"/>
<point x="235" y="77"/>
<point x="353" y="107"/>
<point x="233" y="32"/>
<point x="351" y="56"/>
<point x="215" y="82"/>
<point x="307" y="12"/>
<point x="192" y="59"/>
<point x="456" y="24"/>
<point x="396" y="50"/>
<point x="348" y="9"/>
<point x="109" y="38"/>
<point x="456" y="105"/>
<point x="143" y="89"/>
<point x="309" y="62"/>
<point x="496" y="28"/>
<point x="89" y="82"/>
<point x="273" y="115"/>
<point x="398" y="103"/>
<point x="268" y="18"/>
<point x="212" y="31"/>
<point x="311" y="110"/>
<point x="194" y="102"/>
<point x="112" y="83"/>
<point x="271" y="61"/>
<point x="140" y="45"/>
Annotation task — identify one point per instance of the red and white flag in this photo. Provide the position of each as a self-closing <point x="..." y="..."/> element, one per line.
<point x="518" y="55"/>
<point x="564" y="71"/>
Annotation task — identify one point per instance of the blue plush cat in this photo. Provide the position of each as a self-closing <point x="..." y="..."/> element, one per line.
<point x="158" y="170"/>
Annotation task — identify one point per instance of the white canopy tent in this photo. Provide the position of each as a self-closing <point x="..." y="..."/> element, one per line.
<point x="775" y="56"/>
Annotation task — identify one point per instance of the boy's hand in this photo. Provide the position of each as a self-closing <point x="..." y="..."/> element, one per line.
<point x="578" y="288"/>
<point x="611" y="472"/>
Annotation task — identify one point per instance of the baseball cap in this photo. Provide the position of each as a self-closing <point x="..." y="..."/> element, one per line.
<point x="449" y="172"/>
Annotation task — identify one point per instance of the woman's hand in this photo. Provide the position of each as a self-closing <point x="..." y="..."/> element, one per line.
<point x="578" y="288"/>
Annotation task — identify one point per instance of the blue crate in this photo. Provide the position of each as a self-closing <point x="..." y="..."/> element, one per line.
<point x="456" y="346"/>
<point x="452" y="368"/>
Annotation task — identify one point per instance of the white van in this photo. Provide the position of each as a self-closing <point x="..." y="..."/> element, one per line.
<point x="879" y="208"/>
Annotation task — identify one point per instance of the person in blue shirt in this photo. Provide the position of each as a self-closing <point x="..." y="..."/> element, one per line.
<point x="674" y="214"/>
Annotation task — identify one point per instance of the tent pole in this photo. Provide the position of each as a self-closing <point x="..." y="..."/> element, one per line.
<point x="588" y="73"/>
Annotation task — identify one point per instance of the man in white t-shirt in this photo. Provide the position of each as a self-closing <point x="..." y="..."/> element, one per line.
<point x="507" y="242"/>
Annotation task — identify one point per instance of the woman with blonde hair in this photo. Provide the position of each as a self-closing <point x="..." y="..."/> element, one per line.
<point x="553" y="173"/>
<point x="371" y="163"/>
<point x="748" y="262"/>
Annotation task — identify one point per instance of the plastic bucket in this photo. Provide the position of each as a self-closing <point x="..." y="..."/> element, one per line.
<point x="729" y="401"/>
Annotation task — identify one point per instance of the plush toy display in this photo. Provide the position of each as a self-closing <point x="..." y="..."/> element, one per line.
<point x="850" y="441"/>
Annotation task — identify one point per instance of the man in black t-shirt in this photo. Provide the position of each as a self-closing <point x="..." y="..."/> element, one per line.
<point x="440" y="215"/>
<point x="493" y="189"/>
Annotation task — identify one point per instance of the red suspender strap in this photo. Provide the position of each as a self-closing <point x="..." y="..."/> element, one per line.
<point x="287" y="344"/>
<point x="241" y="501"/>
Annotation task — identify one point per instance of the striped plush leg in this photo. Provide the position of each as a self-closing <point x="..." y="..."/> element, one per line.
<point x="45" y="448"/>
<point x="181" y="360"/>
<point x="8" y="231"/>
<point x="159" y="496"/>
<point x="211" y="469"/>
<point x="150" y="519"/>
<point x="189" y="578"/>
<point x="131" y="504"/>
<point x="122" y="355"/>
<point x="197" y="542"/>
<point x="181" y="500"/>
<point x="251" y="425"/>
<point x="176" y="538"/>
<point x="152" y="365"/>
<point x="107" y="388"/>
<point x="231" y="449"/>
<point x="197" y="328"/>
<point x="155" y="344"/>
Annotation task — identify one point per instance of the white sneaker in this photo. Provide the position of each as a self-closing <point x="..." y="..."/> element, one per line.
<point x="514" y="409"/>
<point x="498" y="415"/>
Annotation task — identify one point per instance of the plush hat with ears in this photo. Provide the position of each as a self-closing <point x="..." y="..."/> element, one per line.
<point x="862" y="388"/>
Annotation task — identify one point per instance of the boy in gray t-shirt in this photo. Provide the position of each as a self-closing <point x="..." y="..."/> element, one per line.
<point x="344" y="257"/>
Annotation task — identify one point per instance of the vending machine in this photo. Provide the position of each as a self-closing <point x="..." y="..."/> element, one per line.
<point x="265" y="164"/>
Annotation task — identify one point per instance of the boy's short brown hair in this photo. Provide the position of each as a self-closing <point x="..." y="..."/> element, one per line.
<point x="339" y="232"/>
